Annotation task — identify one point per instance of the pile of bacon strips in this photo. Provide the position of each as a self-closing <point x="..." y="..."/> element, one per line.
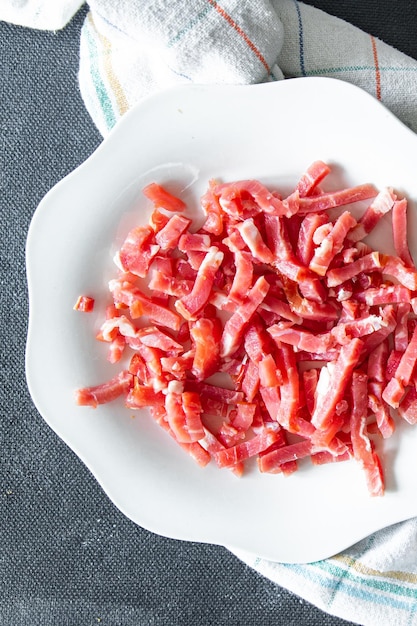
<point x="313" y="331"/>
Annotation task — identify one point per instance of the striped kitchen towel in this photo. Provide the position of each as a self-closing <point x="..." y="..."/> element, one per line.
<point x="129" y="50"/>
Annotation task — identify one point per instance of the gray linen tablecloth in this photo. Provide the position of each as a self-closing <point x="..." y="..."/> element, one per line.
<point x="68" y="556"/>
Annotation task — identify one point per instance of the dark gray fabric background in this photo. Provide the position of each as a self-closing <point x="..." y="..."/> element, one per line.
<point x="68" y="557"/>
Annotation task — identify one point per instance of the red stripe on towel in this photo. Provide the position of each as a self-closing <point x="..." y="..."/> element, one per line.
<point x="377" y="71"/>
<point x="240" y="32"/>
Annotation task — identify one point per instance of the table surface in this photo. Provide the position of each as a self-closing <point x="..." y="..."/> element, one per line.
<point x="69" y="557"/>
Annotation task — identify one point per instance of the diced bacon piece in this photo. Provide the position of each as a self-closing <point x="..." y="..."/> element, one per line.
<point x="236" y="325"/>
<point x="395" y="389"/>
<point x="362" y="448"/>
<point x="366" y="263"/>
<point x="114" y="326"/>
<point x="392" y="364"/>
<point x="212" y="209"/>
<point x="401" y="329"/>
<point x="158" y="220"/>
<point x="312" y="177"/>
<point x="277" y="238"/>
<point x="301" y="339"/>
<point x="333" y="382"/>
<point x="308" y="309"/>
<point x="399" y="231"/>
<point x="190" y="305"/>
<point x="191" y="405"/>
<point x="143" y="396"/>
<point x="247" y="449"/>
<point x="393" y="266"/>
<point x="168" y="237"/>
<point x="380" y="408"/>
<point x="334" y="199"/>
<point x="244" y="417"/>
<point x="117" y="386"/>
<point x="140" y="304"/>
<point x="205" y="334"/>
<point x="163" y="199"/>
<point x="177" y="366"/>
<point x="194" y="241"/>
<point x="137" y="367"/>
<point x="156" y="338"/>
<point x="272" y="398"/>
<point x="253" y="239"/>
<point x="170" y="285"/>
<point x="85" y="304"/>
<point x="281" y="308"/>
<point x="137" y="251"/>
<point x="359" y="327"/>
<point x="214" y="447"/>
<point x="370" y="342"/>
<point x="272" y="461"/>
<point x="408" y="406"/>
<point x="268" y="373"/>
<point x="242" y="279"/>
<point x="381" y="205"/>
<point x="310" y="379"/>
<point x="194" y="448"/>
<point x="250" y="381"/>
<point x="289" y="390"/>
<point x="305" y="244"/>
<point x="175" y="412"/>
<point x="332" y="243"/>
<point x="386" y="294"/>
<point x="377" y="362"/>
<point x="116" y="349"/>
<point x="247" y="198"/>
<point x="214" y="392"/>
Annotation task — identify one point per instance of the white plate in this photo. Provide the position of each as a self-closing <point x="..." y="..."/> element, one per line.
<point x="184" y="137"/>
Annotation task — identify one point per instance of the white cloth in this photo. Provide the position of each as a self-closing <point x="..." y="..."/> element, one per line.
<point x="130" y="49"/>
<point x="41" y="14"/>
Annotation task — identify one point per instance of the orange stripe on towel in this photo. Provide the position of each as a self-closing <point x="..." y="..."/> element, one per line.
<point x="377" y="71"/>
<point x="240" y="32"/>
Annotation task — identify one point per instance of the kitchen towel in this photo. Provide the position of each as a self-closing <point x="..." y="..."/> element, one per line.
<point x="129" y="50"/>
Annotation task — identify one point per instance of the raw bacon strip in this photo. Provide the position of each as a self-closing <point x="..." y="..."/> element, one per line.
<point x="118" y="386"/>
<point x="305" y="243"/>
<point x="247" y="449"/>
<point x="333" y="383"/>
<point x="214" y="213"/>
<point x="247" y="198"/>
<point x="253" y="239"/>
<point x="190" y="305"/>
<point x="242" y="279"/>
<point x="367" y="263"/>
<point x="302" y="339"/>
<point x="381" y="205"/>
<point x="393" y="266"/>
<point x="380" y="408"/>
<point x="362" y="448"/>
<point x="236" y="325"/>
<point x="408" y="407"/>
<point x="332" y="244"/>
<point x="162" y="199"/>
<point x="277" y="238"/>
<point x="334" y="199"/>
<point x="137" y="251"/>
<point x="144" y="396"/>
<point x="386" y="294"/>
<point x="312" y="177"/>
<point x="289" y="390"/>
<point x="394" y="391"/>
<point x="139" y="305"/>
<point x="271" y="462"/>
<point x="168" y="237"/>
<point x="399" y="231"/>
<point x="401" y="329"/>
<point x="205" y="334"/>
